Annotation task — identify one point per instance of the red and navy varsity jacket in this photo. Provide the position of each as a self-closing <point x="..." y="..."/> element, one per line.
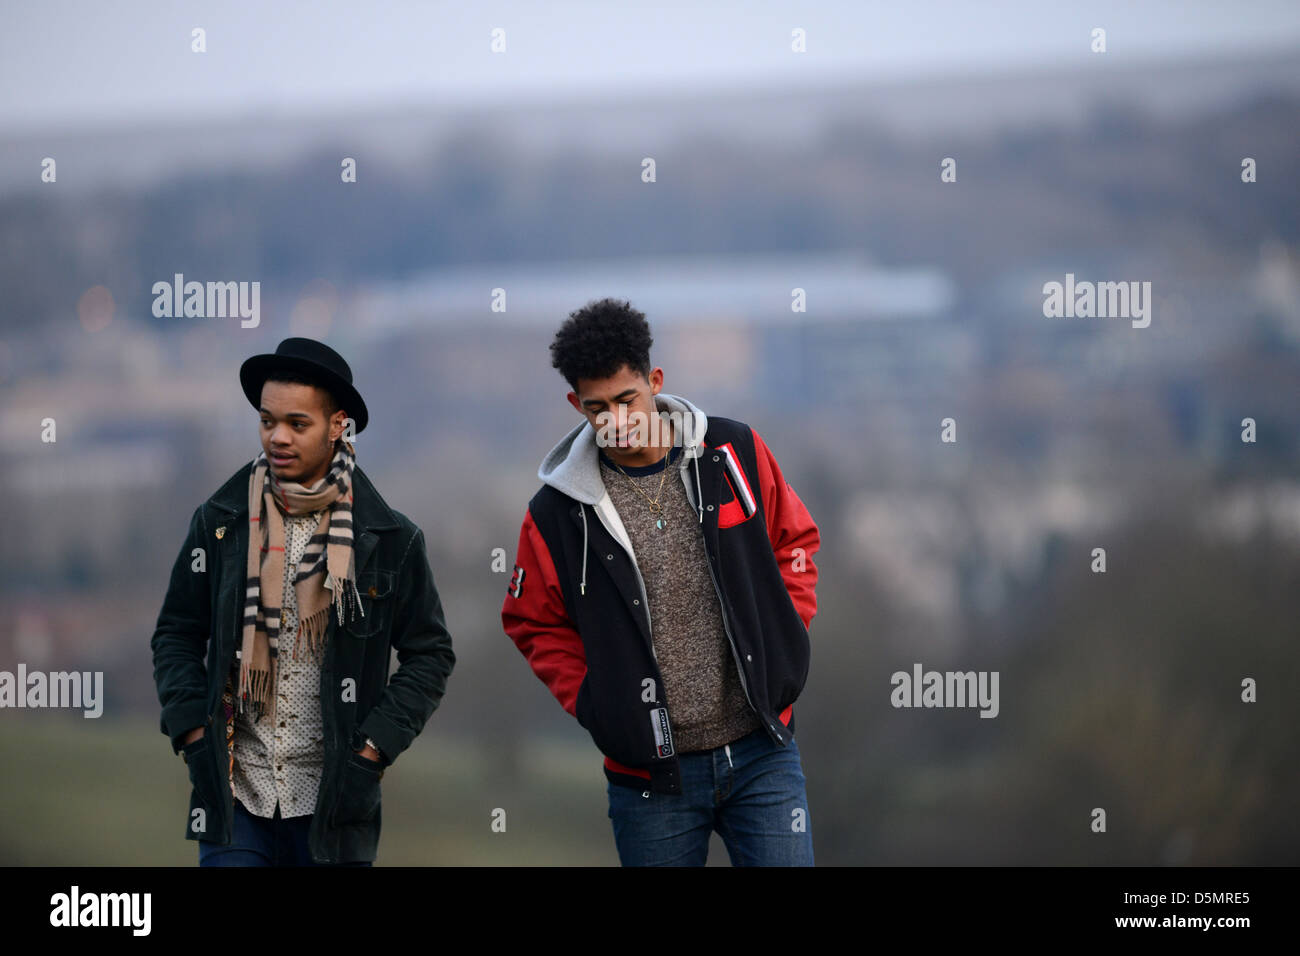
<point x="576" y="604"/>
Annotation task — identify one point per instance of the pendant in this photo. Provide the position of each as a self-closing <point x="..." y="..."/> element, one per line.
<point x="660" y="524"/>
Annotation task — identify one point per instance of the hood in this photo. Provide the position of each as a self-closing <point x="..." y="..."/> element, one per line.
<point x="573" y="467"/>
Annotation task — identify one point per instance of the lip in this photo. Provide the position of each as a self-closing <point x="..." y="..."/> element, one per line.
<point x="280" y="459"/>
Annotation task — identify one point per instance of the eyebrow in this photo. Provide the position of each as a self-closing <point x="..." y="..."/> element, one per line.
<point x="626" y="393"/>
<point x="306" y="415"/>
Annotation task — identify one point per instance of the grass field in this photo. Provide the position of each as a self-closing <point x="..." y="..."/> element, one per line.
<point x="99" y="793"/>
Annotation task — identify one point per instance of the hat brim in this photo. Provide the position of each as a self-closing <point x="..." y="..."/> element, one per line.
<point x="253" y="374"/>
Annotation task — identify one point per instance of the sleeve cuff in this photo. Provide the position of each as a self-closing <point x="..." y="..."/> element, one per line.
<point x="385" y="734"/>
<point x="179" y="719"/>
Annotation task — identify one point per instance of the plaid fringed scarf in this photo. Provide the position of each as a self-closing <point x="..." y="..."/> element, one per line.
<point x="327" y="563"/>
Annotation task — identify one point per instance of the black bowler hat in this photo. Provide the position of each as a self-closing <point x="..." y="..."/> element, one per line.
<point x="319" y="361"/>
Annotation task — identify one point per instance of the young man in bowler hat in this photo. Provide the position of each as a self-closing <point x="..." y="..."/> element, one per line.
<point x="663" y="591"/>
<point x="271" y="651"/>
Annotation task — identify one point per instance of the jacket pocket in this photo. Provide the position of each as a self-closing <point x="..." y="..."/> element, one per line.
<point x="376" y="590"/>
<point x="205" y="775"/>
<point x="793" y="667"/>
<point x="358" y="800"/>
<point x="742" y="505"/>
<point x="596" y="723"/>
<point x="619" y="734"/>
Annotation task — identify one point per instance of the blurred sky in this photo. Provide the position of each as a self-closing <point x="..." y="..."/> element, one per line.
<point x="64" y="63"/>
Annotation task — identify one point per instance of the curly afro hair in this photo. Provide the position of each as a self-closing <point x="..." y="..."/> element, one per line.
<point x="599" y="339"/>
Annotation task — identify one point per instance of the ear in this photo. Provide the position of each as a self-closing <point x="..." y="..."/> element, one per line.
<point x="656" y="379"/>
<point x="573" y="400"/>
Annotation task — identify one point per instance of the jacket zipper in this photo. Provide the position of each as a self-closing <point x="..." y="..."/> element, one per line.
<point x="735" y="654"/>
<point x="731" y="641"/>
<point x="645" y="602"/>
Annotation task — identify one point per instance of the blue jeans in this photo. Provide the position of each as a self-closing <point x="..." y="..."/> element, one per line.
<point x="751" y="792"/>
<point x="259" y="841"/>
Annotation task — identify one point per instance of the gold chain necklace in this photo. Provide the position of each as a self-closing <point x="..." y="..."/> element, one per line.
<point x="655" y="507"/>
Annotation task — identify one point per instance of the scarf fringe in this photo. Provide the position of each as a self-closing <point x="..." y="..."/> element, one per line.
<point x="254" y="690"/>
<point x="313" y="630"/>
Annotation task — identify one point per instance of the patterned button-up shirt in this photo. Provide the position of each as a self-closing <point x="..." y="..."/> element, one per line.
<point x="282" y="763"/>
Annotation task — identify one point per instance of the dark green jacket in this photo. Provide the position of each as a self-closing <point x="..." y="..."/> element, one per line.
<point x="199" y="629"/>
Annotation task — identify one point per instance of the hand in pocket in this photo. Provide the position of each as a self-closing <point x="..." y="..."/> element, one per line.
<point x="358" y="791"/>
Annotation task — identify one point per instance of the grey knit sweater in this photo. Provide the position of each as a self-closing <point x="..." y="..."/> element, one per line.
<point x="704" y="695"/>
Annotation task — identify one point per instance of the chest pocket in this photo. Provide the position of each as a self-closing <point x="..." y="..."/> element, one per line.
<point x="741" y="506"/>
<point x="376" y="590"/>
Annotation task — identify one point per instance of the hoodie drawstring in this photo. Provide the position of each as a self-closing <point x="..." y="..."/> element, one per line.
<point x="584" y="547"/>
<point x="699" y="493"/>
<point x="699" y="507"/>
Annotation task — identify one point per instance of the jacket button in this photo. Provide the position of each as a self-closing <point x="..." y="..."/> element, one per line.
<point x="747" y="657"/>
<point x="708" y="507"/>
<point x="716" y="458"/>
<point x="609" y="557"/>
<point x="636" y="600"/>
<point x="373" y="591"/>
